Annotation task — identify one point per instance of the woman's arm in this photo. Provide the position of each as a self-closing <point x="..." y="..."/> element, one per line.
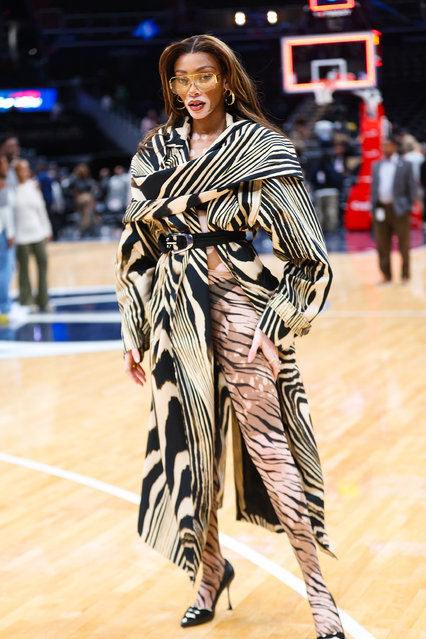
<point x="287" y="215"/>
<point x="136" y="259"/>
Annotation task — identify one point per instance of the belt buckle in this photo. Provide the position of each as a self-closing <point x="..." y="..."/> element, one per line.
<point x="172" y="242"/>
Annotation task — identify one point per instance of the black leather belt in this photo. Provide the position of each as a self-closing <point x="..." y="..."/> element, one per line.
<point x="180" y="242"/>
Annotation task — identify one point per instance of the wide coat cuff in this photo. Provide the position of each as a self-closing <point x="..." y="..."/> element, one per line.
<point x="134" y="337"/>
<point x="281" y="321"/>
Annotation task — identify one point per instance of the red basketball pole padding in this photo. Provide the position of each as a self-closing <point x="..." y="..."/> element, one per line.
<point x="358" y="214"/>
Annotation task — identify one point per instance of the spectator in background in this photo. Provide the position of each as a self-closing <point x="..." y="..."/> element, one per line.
<point x="393" y="193"/>
<point x="83" y="189"/>
<point x="33" y="229"/>
<point x="58" y="199"/>
<point x="412" y="153"/>
<point x="64" y="180"/>
<point x="7" y="240"/>
<point x="103" y="179"/>
<point x="324" y="130"/>
<point x="339" y="159"/>
<point x="299" y="134"/>
<point x="9" y="146"/>
<point x="118" y="192"/>
<point x="45" y="181"/>
<point x="326" y="183"/>
<point x="341" y="136"/>
<point x="149" y="121"/>
<point x="342" y="172"/>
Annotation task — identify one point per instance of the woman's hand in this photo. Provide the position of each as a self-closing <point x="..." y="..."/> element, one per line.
<point x="133" y="367"/>
<point x="268" y="348"/>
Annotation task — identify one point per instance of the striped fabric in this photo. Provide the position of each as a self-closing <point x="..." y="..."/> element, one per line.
<point x="248" y="179"/>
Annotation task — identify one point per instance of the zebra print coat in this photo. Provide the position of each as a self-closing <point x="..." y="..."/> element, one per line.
<point x="248" y="179"/>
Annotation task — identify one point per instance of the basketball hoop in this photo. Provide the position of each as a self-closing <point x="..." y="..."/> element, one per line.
<point x="324" y="92"/>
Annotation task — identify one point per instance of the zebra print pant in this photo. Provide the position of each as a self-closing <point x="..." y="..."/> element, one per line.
<point x="256" y="404"/>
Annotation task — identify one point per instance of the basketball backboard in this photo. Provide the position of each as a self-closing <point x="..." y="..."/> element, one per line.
<point x="348" y="59"/>
<point x="331" y="5"/>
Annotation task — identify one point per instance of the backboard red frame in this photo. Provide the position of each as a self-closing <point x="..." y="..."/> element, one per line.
<point x="287" y="45"/>
<point x="339" y="6"/>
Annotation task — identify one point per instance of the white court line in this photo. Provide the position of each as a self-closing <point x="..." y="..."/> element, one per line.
<point x="15" y="350"/>
<point x="84" y="299"/>
<point x="90" y="288"/>
<point x="283" y="575"/>
<point x="74" y="317"/>
<point x="63" y="290"/>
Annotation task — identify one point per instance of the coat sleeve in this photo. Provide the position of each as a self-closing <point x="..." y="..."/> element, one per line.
<point x="136" y="259"/>
<point x="287" y="215"/>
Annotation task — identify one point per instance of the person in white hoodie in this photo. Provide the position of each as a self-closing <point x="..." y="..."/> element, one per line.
<point x="33" y="230"/>
<point x="7" y="240"/>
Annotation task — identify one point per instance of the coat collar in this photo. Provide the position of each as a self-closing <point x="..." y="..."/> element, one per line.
<point x="395" y="159"/>
<point x="180" y="135"/>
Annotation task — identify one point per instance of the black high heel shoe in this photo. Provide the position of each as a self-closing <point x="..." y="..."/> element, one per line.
<point x="334" y="635"/>
<point x="195" y="616"/>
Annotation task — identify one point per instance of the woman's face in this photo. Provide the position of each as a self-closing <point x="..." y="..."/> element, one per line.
<point x="201" y="103"/>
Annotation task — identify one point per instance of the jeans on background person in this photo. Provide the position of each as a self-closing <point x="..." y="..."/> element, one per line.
<point x="38" y="249"/>
<point x="7" y="260"/>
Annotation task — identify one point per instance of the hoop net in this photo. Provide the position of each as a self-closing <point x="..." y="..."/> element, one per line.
<point x="324" y="93"/>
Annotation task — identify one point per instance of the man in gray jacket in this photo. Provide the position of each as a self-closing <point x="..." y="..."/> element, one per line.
<point x="393" y="192"/>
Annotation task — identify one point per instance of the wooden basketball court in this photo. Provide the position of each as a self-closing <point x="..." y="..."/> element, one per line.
<point x="72" y="563"/>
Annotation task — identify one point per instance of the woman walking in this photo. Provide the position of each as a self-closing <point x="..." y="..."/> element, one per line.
<point x="220" y="327"/>
<point x="33" y="231"/>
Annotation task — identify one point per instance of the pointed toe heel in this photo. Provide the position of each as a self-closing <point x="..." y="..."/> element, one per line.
<point x="196" y="616"/>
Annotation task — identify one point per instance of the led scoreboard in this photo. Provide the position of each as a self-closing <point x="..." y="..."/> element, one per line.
<point x="28" y="99"/>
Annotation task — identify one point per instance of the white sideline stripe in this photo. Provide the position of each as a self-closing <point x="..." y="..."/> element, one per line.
<point x="63" y="290"/>
<point x="84" y="299"/>
<point x="15" y="350"/>
<point x="283" y="575"/>
<point x="74" y="317"/>
<point x="75" y="477"/>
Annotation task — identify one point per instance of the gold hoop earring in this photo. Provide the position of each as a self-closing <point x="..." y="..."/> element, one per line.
<point x="229" y="97"/>
<point x="179" y="99"/>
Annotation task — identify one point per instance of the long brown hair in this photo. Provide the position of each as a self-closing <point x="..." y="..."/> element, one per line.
<point x="246" y="105"/>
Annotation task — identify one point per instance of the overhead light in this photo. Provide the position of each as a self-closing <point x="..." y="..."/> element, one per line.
<point x="146" y="30"/>
<point x="272" y="17"/>
<point x="240" y="18"/>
